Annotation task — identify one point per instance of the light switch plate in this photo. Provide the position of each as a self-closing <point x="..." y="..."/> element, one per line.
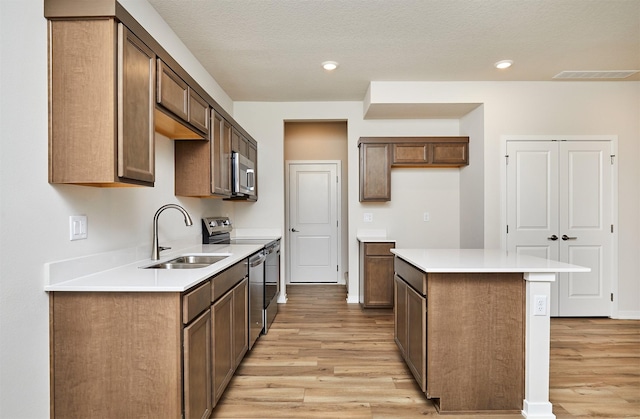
<point x="77" y="227"/>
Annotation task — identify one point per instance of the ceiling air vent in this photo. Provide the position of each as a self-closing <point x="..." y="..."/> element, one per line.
<point x="619" y="74"/>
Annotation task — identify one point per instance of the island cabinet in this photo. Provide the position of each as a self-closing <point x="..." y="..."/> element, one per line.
<point x="147" y="354"/>
<point x="101" y="104"/>
<point x="376" y="274"/>
<point x="203" y="169"/>
<point x="184" y="114"/>
<point x="462" y="336"/>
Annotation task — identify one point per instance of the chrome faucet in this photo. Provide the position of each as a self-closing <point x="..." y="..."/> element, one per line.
<point x="155" y="253"/>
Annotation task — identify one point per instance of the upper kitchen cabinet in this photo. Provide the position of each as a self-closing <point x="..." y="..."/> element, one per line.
<point x="101" y="104"/>
<point x="203" y="169"/>
<point x="182" y="113"/>
<point x="379" y="154"/>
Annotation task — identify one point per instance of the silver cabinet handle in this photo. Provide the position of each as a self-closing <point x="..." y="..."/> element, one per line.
<point x="554" y="238"/>
<point x="565" y="237"/>
<point x="294" y="230"/>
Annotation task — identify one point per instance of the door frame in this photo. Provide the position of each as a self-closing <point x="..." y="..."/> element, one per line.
<point x="288" y="164"/>
<point x="614" y="195"/>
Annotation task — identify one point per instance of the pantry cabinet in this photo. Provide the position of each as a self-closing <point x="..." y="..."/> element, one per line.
<point x="105" y="142"/>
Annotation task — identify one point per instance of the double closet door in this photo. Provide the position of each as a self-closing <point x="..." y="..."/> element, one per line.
<point x="559" y="206"/>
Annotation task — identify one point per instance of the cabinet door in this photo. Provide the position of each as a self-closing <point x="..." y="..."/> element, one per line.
<point x="197" y="368"/>
<point x="173" y="92"/>
<point x="240" y="321"/>
<point x="449" y="154"/>
<point x="198" y="112"/>
<point x="378" y="275"/>
<point x="400" y="315"/>
<point x="220" y="155"/>
<point x="136" y="81"/>
<point x="375" y="172"/>
<point x="410" y="154"/>
<point x="223" y="359"/>
<point x="416" y="354"/>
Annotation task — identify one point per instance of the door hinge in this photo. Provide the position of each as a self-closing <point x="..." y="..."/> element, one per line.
<point x="507" y="228"/>
<point x="337" y="268"/>
<point x="336" y="223"/>
<point x="506" y="156"/>
<point x="611" y="297"/>
<point x="612" y="157"/>
<point x="336" y="179"/>
<point x="612" y="228"/>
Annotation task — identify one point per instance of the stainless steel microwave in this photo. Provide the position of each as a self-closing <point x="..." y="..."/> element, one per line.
<point x="243" y="175"/>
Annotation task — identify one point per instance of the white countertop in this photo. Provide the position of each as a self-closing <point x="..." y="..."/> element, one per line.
<point x="369" y="239"/>
<point x="131" y="278"/>
<point x="480" y="260"/>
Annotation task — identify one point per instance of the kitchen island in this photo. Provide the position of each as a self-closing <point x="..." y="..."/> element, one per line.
<point x="473" y="326"/>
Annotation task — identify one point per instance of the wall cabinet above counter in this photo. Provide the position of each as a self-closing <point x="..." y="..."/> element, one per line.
<point x="112" y="86"/>
<point x="379" y="154"/>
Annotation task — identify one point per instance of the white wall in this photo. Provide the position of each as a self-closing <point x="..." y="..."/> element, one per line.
<point x="34" y="214"/>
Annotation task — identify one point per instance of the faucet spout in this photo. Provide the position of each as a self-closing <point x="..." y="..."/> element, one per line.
<point x="155" y="252"/>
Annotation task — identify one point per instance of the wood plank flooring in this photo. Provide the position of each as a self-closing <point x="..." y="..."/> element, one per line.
<point x="324" y="358"/>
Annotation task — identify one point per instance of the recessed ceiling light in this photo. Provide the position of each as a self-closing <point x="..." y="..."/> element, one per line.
<point x="329" y="65"/>
<point x="503" y="64"/>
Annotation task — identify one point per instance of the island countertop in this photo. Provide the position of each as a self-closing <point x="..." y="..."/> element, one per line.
<point x="481" y="260"/>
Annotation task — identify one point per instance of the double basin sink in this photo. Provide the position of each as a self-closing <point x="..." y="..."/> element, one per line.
<point x="189" y="262"/>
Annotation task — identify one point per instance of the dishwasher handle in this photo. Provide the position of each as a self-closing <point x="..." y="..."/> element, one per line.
<point x="257" y="259"/>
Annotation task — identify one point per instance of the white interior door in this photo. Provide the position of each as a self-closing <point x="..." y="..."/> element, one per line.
<point x="559" y="207"/>
<point x="585" y="226"/>
<point x="313" y="222"/>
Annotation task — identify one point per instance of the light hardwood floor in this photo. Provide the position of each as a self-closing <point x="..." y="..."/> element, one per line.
<point x="324" y="358"/>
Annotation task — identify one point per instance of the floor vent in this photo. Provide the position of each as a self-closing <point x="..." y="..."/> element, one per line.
<point x="619" y="74"/>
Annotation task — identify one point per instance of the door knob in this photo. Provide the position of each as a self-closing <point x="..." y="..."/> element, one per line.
<point x="294" y="230"/>
<point x="554" y="238"/>
<point x="565" y="237"/>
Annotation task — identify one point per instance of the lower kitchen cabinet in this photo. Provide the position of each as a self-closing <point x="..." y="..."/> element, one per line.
<point x="147" y="354"/>
<point x="376" y="274"/>
<point x="410" y="329"/>
<point x="230" y="318"/>
<point x="197" y="368"/>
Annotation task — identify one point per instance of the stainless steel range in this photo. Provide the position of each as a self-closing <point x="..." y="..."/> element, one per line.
<point x="264" y="278"/>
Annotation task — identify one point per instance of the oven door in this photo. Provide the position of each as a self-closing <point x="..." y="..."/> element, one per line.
<point x="243" y="175"/>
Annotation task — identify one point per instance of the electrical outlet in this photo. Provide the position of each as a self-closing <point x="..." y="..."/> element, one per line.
<point x="77" y="227"/>
<point x="425" y="216"/>
<point x="368" y="217"/>
<point x="540" y="305"/>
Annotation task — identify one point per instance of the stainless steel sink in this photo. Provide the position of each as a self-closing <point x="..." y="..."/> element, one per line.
<point x="189" y="262"/>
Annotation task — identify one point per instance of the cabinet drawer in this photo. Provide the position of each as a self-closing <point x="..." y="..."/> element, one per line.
<point x="378" y="249"/>
<point x="413" y="276"/>
<point x="226" y="280"/>
<point x="194" y="302"/>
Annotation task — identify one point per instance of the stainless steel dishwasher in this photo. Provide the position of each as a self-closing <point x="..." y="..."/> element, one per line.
<point x="256" y="296"/>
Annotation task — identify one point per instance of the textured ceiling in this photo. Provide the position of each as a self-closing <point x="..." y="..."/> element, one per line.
<point x="271" y="50"/>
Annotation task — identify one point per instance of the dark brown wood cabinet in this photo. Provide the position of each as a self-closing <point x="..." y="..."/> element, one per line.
<point x="462" y="336"/>
<point x="375" y="172"/>
<point x="377" y="275"/>
<point x="110" y="141"/>
<point x="197" y="367"/>
<point x="378" y="155"/>
<point x="203" y="168"/>
<point x="183" y="113"/>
